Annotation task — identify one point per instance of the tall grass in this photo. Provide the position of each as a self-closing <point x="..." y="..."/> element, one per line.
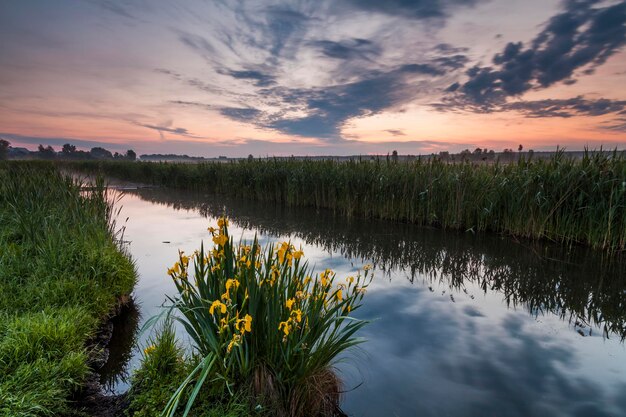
<point x="561" y="199"/>
<point x="261" y="324"/>
<point x="61" y="273"/>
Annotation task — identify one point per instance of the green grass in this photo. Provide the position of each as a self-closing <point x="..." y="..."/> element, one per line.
<point x="61" y="273"/>
<point x="560" y="199"/>
<point x="162" y="371"/>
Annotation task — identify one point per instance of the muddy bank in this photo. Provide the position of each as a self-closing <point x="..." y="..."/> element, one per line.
<point x="110" y="351"/>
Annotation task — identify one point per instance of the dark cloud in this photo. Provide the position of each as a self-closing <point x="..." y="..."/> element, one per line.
<point x="577" y="106"/>
<point x="580" y="38"/>
<point x="260" y="79"/>
<point x="617" y="125"/>
<point x="565" y="108"/>
<point x="192" y="104"/>
<point x="165" y="129"/>
<point x="413" y="9"/>
<point x="241" y="114"/>
<point x="447" y="48"/>
<point x="348" y="49"/>
<point x="395" y="132"/>
<point x="327" y="109"/>
<point x="197" y="43"/>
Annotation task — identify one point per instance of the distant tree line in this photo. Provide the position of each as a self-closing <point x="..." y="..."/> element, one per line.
<point x="68" y="151"/>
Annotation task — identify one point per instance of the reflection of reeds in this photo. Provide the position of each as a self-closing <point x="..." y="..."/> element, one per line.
<point x="61" y="273"/>
<point x="572" y="282"/>
<point x="560" y="199"/>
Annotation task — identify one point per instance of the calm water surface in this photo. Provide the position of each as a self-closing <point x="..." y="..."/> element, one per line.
<point x="462" y="325"/>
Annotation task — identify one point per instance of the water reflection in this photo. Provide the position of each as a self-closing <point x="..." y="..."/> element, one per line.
<point x="125" y="327"/>
<point x="574" y="283"/>
<point x="451" y="332"/>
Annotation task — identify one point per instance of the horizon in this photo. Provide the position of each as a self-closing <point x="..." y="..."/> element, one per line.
<point x="313" y="78"/>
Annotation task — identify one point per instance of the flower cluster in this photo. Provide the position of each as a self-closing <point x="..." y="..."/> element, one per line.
<point x="248" y="307"/>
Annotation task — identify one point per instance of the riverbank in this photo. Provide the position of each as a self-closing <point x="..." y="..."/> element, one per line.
<point x="63" y="275"/>
<point x="567" y="200"/>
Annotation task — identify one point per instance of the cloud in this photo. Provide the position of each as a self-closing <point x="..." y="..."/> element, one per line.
<point x="260" y="79"/>
<point x="413" y="9"/>
<point x="577" y="106"/>
<point x="617" y="125"/>
<point x="565" y="108"/>
<point x="354" y="48"/>
<point x="395" y="132"/>
<point x="166" y="129"/>
<point x="327" y="109"/>
<point x="241" y="114"/>
<point x="579" y="39"/>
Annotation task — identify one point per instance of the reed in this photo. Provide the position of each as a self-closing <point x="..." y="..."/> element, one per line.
<point x="561" y="199"/>
<point x="61" y="273"/>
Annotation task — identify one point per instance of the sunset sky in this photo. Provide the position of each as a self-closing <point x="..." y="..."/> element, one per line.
<point x="321" y="77"/>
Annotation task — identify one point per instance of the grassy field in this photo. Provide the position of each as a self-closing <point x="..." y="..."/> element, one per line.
<point x="563" y="199"/>
<point x="61" y="274"/>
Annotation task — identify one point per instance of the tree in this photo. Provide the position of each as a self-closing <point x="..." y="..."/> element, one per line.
<point x="394" y="156"/>
<point x="131" y="155"/>
<point x="47" y="152"/>
<point x="68" y="149"/>
<point x="4" y="148"/>
<point x="100" y="153"/>
<point x="520" y="148"/>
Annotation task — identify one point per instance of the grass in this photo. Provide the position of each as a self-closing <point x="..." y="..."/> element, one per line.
<point x="164" y="367"/>
<point x="61" y="273"/>
<point x="261" y="328"/>
<point x="561" y="199"/>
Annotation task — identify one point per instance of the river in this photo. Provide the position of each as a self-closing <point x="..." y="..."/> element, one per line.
<point x="461" y="324"/>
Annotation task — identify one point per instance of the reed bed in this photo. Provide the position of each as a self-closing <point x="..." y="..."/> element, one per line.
<point x="61" y="273"/>
<point x="561" y="199"/>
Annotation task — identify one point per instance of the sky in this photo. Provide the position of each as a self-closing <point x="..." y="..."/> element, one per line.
<point x="319" y="77"/>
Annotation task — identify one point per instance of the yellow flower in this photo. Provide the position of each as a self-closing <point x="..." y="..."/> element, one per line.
<point x="367" y="267"/>
<point x="350" y="280"/>
<point x="223" y="324"/>
<point x="300" y="295"/>
<point x="217" y="304"/>
<point x="222" y="222"/>
<point x="245" y="324"/>
<point x="289" y="303"/>
<point x="285" y="327"/>
<point x="212" y="230"/>
<point x="215" y="267"/>
<point x="297" y="314"/>
<point x="298" y="254"/>
<point x="338" y="295"/>
<point x="307" y="279"/>
<point x="149" y="350"/>
<point x="234" y="342"/>
<point x="326" y="277"/>
<point x="220" y="239"/>
<point x="174" y="269"/>
<point x="232" y="283"/>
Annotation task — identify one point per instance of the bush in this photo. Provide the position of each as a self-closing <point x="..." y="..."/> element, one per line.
<point x="261" y="324"/>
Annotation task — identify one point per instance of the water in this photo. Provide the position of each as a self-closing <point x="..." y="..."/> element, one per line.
<point x="462" y="325"/>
